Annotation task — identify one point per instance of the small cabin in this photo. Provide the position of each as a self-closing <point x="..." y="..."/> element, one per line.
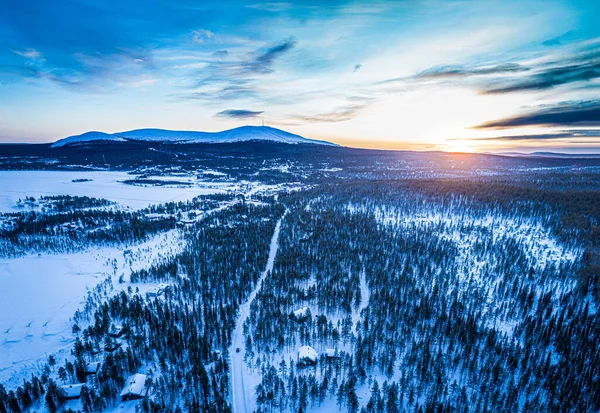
<point x="301" y="315"/>
<point x="135" y="388"/>
<point x="92" y="367"/>
<point x="110" y="347"/>
<point x="332" y="353"/>
<point x="71" y="391"/>
<point x="157" y="291"/>
<point x="116" y="331"/>
<point x="186" y="223"/>
<point x="307" y="356"/>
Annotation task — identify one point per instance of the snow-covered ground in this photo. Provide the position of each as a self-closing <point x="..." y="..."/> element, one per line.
<point x="108" y="185"/>
<point x="40" y="295"/>
<point x="15" y="185"/>
<point x="243" y="381"/>
<point x="539" y="245"/>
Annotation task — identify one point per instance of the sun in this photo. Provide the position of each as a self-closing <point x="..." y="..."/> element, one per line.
<point x="459" y="146"/>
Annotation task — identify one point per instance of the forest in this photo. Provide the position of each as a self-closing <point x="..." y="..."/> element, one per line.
<point x="417" y="295"/>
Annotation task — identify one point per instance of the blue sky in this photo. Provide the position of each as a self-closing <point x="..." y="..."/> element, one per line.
<point x="421" y="74"/>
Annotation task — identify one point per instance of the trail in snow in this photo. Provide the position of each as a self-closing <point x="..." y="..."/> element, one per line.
<point x="364" y="299"/>
<point x="242" y="396"/>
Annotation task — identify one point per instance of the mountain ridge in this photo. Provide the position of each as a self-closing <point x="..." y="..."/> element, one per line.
<point x="239" y="134"/>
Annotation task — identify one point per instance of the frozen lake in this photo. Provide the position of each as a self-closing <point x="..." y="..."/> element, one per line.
<point x="19" y="184"/>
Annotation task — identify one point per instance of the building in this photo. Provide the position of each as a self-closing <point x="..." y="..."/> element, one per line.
<point x="135" y="388"/>
<point x="307" y="356"/>
<point x="72" y="391"/>
<point x="116" y="331"/>
<point x="186" y="223"/>
<point x="92" y="367"/>
<point x="301" y="315"/>
<point x="332" y="353"/>
<point x="157" y="291"/>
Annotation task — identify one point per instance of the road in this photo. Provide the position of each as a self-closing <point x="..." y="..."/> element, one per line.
<point x="243" y="397"/>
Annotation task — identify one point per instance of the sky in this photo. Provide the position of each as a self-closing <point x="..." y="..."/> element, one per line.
<point x="456" y="75"/>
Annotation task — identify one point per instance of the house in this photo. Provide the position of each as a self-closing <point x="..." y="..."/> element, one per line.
<point x="186" y="223"/>
<point x="111" y="346"/>
<point x="72" y="391"/>
<point x="116" y="331"/>
<point x="332" y="353"/>
<point x="307" y="356"/>
<point x="135" y="387"/>
<point x="92" y="367"/>
<point x="301" y="315"/>
<point x="157" y="291"/>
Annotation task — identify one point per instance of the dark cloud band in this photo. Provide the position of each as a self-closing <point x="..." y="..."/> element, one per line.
<point x="566" y="114"/>
<point x="238" y="114"/>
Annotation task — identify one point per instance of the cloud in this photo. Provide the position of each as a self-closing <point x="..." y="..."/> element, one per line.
<point x="230" y="92"/>
<point x="201" y="35"/>
<point x="221" y="53"/>
<point x="578" y="63"/>
<point x="586" y="113"/>
<point x="457" y="71"/>
<point x="580" y="67"/>
<point x="343" y="113"/>
<point x="239" y="114"/>
<point x="71" y="34"/>
<point x="271" y="7"/>
<point x="461" y="71"/>
<point x="563" y="134"/>
<point x="226" y="75"/>
<point x="265" y="58"/>
<point x="29" y="54"/>
<point x="559" y="40"/>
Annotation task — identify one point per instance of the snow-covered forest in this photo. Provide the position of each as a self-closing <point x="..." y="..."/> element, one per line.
<point x="362" y="295"/>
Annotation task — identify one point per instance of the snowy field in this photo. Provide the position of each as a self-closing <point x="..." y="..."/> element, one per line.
<point x="15" y="185"/>
<point x="42" y="293"/>
<point x="108" y="185"/>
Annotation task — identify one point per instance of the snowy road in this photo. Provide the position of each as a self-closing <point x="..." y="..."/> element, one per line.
<point x="242" y="396"/>
<point x="364" y="299"/>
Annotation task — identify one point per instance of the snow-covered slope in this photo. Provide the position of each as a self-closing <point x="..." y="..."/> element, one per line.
<point x="88" y="137"/>
<point x="241" y="134"/>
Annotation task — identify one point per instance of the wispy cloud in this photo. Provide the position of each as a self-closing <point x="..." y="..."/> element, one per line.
<point x="583" y="68"/>
<point x="239" y="114"/>
<point x="586" y="113"/>
<point x="356" y="105"/>
<point x="563" y="134"/>
<point x="201" y="35"/>
<point x="265" y="58"/>
<point x="29" y="54"/>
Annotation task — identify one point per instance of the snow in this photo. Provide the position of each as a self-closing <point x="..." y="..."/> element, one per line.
<point x="540" y="246"/>
<point x="241" y="134"/>
<point x="301" y="313"/>
<point x="42" y="293"/>
<point x="135" y="385"/>
<point x="92" y="367"/>
<point x="72" y="390"/>
<point x="91" y="136"/>
<point x="243" y="395"/>
<point x="307" y="354"/>
<point x="364" y="299"/>
<point x="331" y="353"/>
<point x="103" y="184"/>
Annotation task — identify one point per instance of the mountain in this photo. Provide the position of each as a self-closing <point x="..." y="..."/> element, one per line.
<point x="241" y="134"/>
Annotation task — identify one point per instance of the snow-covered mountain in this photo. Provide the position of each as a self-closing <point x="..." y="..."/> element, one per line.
<point x="241" y="134"/>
